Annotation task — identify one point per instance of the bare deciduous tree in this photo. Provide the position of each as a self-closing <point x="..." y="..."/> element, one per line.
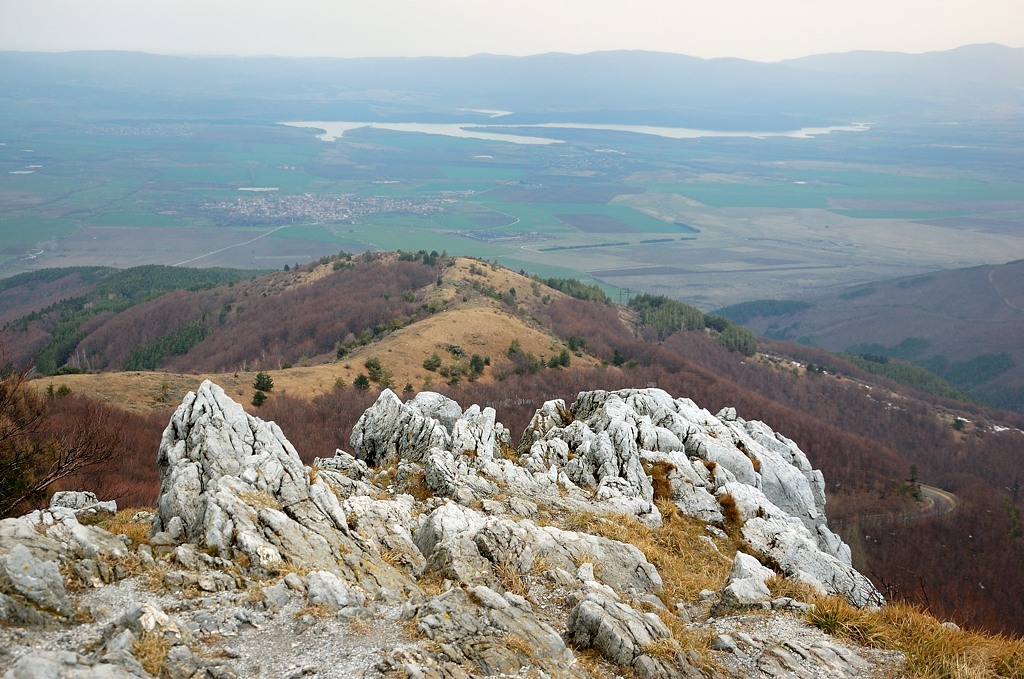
<point x="42" y="444"/>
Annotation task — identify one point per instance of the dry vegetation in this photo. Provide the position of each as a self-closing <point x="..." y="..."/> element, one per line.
<point x="864" y="446"/>
<point x="122" y="524"/>
<point x="932" y="649"/>
<point x="151" y="651"/>
<point x="687" y="563"/>
<point x="464" y="318"/>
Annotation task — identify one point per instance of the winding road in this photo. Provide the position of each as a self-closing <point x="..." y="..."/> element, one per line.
<point x="936" y="502"/>
<point x="995" y="286"/>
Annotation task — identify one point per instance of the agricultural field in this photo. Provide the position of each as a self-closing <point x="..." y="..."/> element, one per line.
<point x="712" y="221"/>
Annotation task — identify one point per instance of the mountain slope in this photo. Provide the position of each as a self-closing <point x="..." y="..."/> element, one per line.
<point x="872" y="438"/>
<point x="713" y="92"/>
<point x="963" y="324"/>
<point x="313" y="329"/>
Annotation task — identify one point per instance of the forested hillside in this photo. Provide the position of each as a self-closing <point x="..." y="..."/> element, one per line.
<point x="176" y="319"/>
<point x="873" y="438"/>
<point x="963" y="325"/>
<point x="83" y="299"/>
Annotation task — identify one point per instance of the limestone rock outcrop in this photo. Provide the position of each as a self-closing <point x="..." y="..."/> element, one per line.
<point x="435" y="549"/>
<point x="233" y="483"/>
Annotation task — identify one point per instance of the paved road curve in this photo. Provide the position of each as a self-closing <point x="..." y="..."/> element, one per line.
<point x="936" y="502"/>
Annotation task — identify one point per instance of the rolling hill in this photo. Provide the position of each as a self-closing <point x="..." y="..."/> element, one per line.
<point x="873" y="439"/>
<point x="964" y="325"/>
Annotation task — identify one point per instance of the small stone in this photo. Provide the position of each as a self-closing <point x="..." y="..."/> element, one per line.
<point x="708" y="595"/>
<point x="724" y="642"/>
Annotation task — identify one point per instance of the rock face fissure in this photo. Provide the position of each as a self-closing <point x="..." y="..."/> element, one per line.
<point x="437" y="536"/>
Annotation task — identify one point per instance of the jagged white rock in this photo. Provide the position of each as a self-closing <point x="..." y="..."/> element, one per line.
<point x="233" y="488"/>
<point x="237" y="485"/>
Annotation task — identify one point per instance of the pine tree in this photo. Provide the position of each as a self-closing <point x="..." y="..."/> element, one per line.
<point x="264" y="382"/>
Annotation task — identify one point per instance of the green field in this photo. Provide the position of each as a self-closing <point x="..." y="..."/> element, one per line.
<point x="27" y="232"/>
<point x="760" y="218"/>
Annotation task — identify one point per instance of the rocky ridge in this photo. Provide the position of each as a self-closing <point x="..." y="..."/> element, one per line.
<point x="439" y="547"/>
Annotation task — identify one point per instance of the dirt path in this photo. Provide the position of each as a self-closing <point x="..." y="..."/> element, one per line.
<point x="995" y="286"/>
<point x="236" y="245"/>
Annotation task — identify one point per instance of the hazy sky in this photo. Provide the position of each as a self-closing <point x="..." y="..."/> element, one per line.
<point x="764" y="30"/>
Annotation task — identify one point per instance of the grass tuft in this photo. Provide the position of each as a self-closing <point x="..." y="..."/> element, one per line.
<point x="121" y="523"/>
<point x="519" y="645"/>
<point x="659" y="472"/>
<point x="150" y="649"/>
<point x="686" y="563"/>
<point x="932" y="650"/>
<point x="259" y="499"/>
<point x="317" y="611"/>
<point x="730" y="510"/>
<point x="665" y="649"/>
<point x="780" y="586"/>
<point x="511" y="579"/>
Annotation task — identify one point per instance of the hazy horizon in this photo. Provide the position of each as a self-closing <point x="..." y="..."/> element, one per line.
<point x="768" y="32"/>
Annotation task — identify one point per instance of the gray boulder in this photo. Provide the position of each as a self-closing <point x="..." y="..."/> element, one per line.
<point x="326" y="589"/>
<point x="390" y="430"/>
<point x="466" y="546"/>
<point x="71" y="665"/>
<point x="746" y="585"/>
<point x="796" y="551"/>
<point x="500" y="634"/>
<point x="39" y="582"/>
<point x="79" y="501"/>
<point x="622" y="634"/>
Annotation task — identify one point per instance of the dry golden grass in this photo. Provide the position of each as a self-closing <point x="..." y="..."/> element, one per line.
<point x="431" y="583"/>
<point x="686" y="563"/>
<point x="931" y="649"/>
<point x="659" y="473"/>
<point x="478" y="324"/>
<point x="594" y="665"/>
<point x="519" y="645"/>
<point x="511" y="579"/>
<point x="150" y="650"/>
<point x="317" y="611"/>
<point x="730" y="510"/>
<point x="580" y="522"/>
<point x="666" y="649"/>
<point x="259" y="499"/>
<point x="780" y="585"/>
<point x="689" y="639"/>
<point x="392" y="558"/>
<point x="72" y="583"/>
<point x="122" y="524"/>
<point x="541" y="564"/>
<point x="286" y="567"/>
<point x="415" y="484"/>
<point x="153" y="578"/>
<point x="254" y="592"/>
<point x="360" y="626"/>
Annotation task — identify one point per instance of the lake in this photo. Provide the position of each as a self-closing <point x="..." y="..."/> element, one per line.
<point x="333" y="130"/>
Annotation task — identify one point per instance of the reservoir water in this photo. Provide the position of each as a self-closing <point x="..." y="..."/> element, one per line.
<point x="336" y="129"/>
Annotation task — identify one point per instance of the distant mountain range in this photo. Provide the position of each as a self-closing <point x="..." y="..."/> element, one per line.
<point x="622" y="86"/>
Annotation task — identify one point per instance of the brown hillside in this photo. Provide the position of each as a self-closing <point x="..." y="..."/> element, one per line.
<point x="870" y="439"/>
<point x="939" y="319"/>
<point x="471" y="321"/>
